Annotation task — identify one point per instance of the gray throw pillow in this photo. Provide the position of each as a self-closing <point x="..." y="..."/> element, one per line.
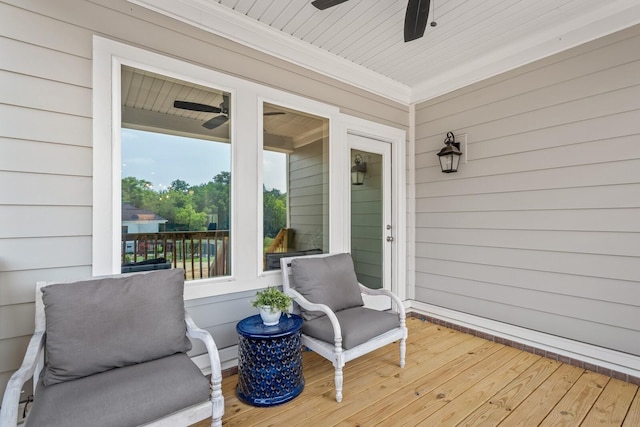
<point x="327" y="280"/>
<point x="108" y="322"/>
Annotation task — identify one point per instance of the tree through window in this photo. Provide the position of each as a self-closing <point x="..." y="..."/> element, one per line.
<point x="175" y="175"/>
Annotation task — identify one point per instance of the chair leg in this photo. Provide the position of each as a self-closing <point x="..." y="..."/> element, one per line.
<point x="403" y="351"/>
<point x="338" y="381"/>
<point x="218" y="402"/>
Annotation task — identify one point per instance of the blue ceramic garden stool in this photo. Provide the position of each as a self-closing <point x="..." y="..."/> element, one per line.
<point x="269" y="361"/>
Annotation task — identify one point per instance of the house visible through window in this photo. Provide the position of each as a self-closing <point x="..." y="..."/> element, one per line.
<point x="175" y="176"/>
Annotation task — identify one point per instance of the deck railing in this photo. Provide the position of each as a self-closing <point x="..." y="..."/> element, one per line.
<point x="201" y="253"/>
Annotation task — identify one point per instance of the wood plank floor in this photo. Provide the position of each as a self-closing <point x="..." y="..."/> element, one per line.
<point x="450" y="379"/>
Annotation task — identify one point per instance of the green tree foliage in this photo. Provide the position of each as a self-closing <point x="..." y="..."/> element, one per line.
<point x="179" y="185"/>
<point x="192" y="220"/>
<point x="186" y="207"/>
<point x="213" y="198"/>
<point x="189" y="208"/>
<point x="137" y="191"/>
<point x="275" y="211"/>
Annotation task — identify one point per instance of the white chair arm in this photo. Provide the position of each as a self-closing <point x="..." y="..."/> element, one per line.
<point x="193" y="331"/>
<point x="385" y="292"/>
<point x="217" y="400"/>
<point x="310" y="306"/>
<point x="11" y="400"/>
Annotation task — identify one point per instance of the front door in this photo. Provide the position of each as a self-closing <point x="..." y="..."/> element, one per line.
<point x="372" y="230"/>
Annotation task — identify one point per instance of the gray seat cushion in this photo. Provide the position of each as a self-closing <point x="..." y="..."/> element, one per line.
<point x="127" y="396"/>
<point x="327" y="280"/>
<point x="108" y="322"/>
<point x="358" y="324"/>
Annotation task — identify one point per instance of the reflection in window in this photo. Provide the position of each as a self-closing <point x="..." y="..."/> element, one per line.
<point x="175" y="176"/>
<point x="295" y="184"/>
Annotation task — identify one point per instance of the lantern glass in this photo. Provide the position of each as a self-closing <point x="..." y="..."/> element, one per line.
<point x="357" y="176"/>
<point x="446" y="162"/>
<point x="449" y="157"/>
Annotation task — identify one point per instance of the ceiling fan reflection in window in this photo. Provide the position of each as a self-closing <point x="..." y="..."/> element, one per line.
<point x="222" y="110"/>
<point x="415" y="19"/>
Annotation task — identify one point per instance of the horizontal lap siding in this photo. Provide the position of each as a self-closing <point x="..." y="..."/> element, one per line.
<point x="308" y="196"/>
<point x="46" y="141"/>
<point x="540" y="227"/>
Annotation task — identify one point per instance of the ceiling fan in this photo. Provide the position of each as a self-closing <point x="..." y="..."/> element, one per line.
<point x="415" y="19"/>
<point x="213" y="123"/>
<point x="223" y="110"/>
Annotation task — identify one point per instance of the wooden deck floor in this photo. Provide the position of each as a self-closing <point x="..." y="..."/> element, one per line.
<point x="450" y="379"/>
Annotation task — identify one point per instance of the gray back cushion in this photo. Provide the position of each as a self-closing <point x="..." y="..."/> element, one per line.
<point x="327" y="280"/>
<point x="109" y="322"/>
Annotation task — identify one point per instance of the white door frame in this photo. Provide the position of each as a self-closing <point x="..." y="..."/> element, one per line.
<point x="397" y="139"/>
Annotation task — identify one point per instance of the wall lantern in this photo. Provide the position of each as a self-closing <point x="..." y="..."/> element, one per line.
<point x="450" y="155"/>
<point x="358" y="171"/>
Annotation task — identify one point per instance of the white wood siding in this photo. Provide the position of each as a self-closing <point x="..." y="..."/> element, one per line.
<point x="540" y="227"/>
<point x="46" y="140"/>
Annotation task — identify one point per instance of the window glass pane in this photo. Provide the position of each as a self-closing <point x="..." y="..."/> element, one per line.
<point x="175" y="176"/>
<point x="367" y="200"/>
<point x="295" y="184"/>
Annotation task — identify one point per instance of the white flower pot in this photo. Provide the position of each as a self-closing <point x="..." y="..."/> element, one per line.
<point x="269" y="318"/>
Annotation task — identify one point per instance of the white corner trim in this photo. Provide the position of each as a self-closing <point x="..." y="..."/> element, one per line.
<point x="611" y="359"/>
<point x="223" y="21"/>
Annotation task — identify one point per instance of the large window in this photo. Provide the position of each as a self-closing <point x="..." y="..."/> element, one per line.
<point x="219" y="190"/>
<point x="175" y="176"/>
<point x="295" y="184"/>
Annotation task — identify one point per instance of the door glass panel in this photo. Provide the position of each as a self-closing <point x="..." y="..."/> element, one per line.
<point x="295" y="184"/>
<point x="367" y="218"/>
<point x="175" y="175"/>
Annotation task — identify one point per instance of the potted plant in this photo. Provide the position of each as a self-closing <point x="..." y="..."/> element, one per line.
<point x="271" y="302"/>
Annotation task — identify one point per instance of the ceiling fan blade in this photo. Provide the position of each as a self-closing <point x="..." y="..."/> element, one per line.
<point x="274" y="113"/>
<point x="194" y="106"/>
<point x="325" y="4"/>
<point x="415" y="20"/>
<point x="216" y="121"/>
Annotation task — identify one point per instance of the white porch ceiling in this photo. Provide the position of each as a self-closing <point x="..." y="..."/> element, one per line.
<point x="361" y="42"/>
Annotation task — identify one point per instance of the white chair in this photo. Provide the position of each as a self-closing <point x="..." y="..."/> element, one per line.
<point x="336" y="325"/>
<point x="112" y="351"/>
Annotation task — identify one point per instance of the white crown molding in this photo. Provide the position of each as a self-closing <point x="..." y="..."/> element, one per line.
<point x="611" y="17"/>
<point x="220" y="20"/>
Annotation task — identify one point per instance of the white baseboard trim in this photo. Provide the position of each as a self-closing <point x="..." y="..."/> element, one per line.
<point x="228" y="359"/>
<point x="609" y="359"/>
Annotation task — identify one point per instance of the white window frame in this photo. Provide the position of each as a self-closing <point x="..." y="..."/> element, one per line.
<point x="246" y="163"/>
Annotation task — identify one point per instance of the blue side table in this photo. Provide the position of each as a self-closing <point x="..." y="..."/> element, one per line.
<point x="269" y="361"/>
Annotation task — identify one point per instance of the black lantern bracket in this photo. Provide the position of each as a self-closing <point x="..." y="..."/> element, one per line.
<point x="451" y="140"/>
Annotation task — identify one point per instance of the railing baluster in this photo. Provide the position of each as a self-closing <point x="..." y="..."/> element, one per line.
<point x="178" y="246"/>
<point x="193" y="254"/>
